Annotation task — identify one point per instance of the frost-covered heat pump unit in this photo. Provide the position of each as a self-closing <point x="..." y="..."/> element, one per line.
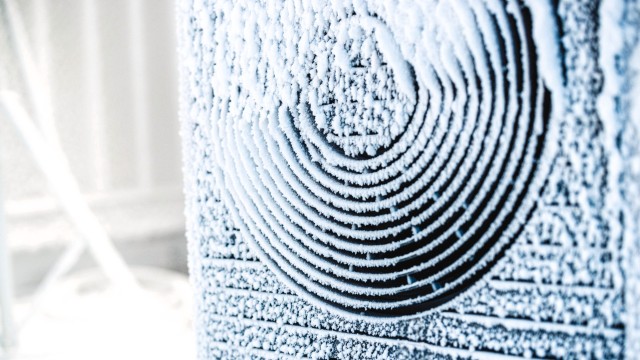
<point x="412" y="179"/>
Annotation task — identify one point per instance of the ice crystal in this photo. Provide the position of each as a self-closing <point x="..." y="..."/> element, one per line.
<point x="393" y="179"/>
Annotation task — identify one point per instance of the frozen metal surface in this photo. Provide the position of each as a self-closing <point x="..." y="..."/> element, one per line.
<point x="390" y="179"/>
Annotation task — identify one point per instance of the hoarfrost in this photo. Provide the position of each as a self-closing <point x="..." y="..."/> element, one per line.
<point x="392" y="179"/>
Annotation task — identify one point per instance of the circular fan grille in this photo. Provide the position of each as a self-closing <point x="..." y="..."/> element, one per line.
<point x="375" y="176"/>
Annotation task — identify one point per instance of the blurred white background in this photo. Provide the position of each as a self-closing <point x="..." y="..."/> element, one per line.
<point x="109" y="70"/>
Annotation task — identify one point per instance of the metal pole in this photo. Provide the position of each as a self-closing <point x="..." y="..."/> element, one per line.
<point x="140" y="98"/>
<point x="6" y="284"/>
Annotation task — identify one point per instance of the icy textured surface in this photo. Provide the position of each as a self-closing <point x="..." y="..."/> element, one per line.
<point x="383" y="179"/>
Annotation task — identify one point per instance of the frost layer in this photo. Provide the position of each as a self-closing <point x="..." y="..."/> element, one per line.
<point x="352" y="169"/>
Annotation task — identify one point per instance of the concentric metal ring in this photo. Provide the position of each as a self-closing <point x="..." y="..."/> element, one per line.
<point x="377" y="177"/>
